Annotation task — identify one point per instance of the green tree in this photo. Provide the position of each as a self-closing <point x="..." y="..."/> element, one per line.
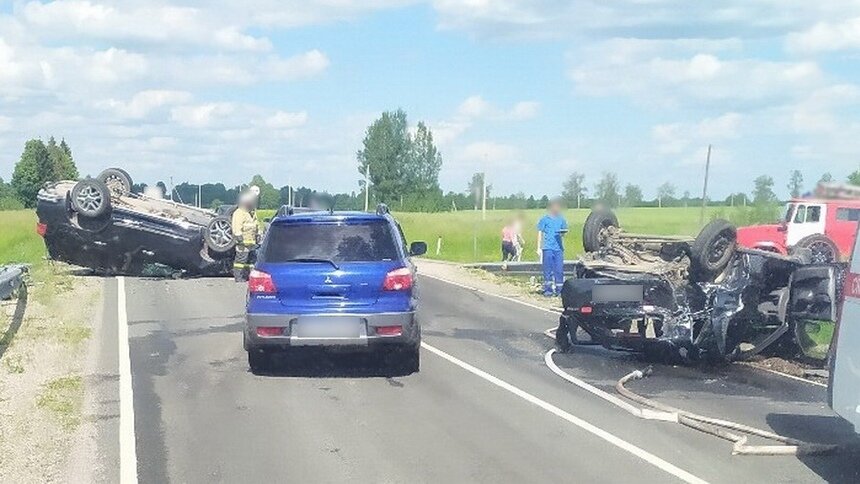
<point x="795" y="183"/>
<point x="763" y="193"/>
<point x="425" y="163"/>
<point x="854" y="178"/>
<point x="573" y="189"/>
<point x="474" y="189"/>
<point x="632" y="195"/>
<point x="665" y="194"/>
<point x="270" y="197"/>
<point x="826" y="178"/>
<point x="387" y="149"/>
<point x="61" y="160"/>
<point x="607" y="190"/>
<point x="31" y="172"/>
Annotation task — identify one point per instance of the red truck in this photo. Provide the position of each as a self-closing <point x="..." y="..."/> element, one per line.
<point x="826" y="224"/>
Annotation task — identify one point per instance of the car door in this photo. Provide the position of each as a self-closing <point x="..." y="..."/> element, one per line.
<point x="844" y="384"/>
<point x="808" y="220"/>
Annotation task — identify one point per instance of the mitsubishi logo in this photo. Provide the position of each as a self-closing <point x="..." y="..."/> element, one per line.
<point x="328" y="280"/>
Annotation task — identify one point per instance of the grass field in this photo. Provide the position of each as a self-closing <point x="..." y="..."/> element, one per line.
<point x="467" y="238"/>
<point x="19" y="241"/>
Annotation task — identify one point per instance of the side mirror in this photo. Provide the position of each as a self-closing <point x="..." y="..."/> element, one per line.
<point x="782" y="227"/>
<point x="418" y="248"/>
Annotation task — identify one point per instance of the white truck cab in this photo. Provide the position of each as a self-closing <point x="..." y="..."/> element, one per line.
<point x="804" y="219"/>
<point x="844" y="385"/>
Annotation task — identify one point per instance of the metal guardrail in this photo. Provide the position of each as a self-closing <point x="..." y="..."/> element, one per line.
<point x="11" y="278"/>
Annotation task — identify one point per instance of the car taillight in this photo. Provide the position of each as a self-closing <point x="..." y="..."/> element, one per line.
<point x="398" y="280"/>
<point x="41" y="229"/>
<point x="269" y="331"/>
<point x="586" y="309"/>
<point x="389" y="330"/>
<point x="260" y="282"/>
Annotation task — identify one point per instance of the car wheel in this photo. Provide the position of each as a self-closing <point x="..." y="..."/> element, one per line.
<point x="117" y="179"/>
<point x="713" y="249"/>
<point x="594" y="232"/>
<point x="90" y="198"/>
<point x="406" y="359"/>
<point x="218" y="235"/>
<point x="822" y="250"/>
<point x="259" y="361"/>
<point x="563" y="335"/>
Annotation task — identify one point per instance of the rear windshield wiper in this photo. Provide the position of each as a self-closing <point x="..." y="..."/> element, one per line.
<point x="324" y="261"/>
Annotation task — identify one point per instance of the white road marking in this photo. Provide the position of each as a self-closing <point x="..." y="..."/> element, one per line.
<point x="475" y="289"/>
<point x="127" y="443"/>
<point x="588" y="427"/>
<point x="555" y="311"/>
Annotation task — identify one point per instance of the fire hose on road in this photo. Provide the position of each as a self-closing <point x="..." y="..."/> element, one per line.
<point x="734" y="432"/>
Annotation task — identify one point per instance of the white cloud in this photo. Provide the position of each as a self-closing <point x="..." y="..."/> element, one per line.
<point x="285" y="120"/>
<point x="144" y="102"/>
<point x="827" y="36"/>
<point x="476" y="106"/>
<point x="202" y="115"/>
<point x="674" y="75"/>
<point x="636" y="18"/>
<point x="678" y="138"/>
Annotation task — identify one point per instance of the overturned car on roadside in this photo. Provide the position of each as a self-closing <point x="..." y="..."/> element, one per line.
<point x="691" y="298"/>
<point x="99" y="223"/>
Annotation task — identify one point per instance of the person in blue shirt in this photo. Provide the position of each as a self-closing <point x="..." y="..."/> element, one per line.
<point x="551" y="228"/>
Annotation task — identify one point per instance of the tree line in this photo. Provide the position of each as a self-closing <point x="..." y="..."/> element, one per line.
<point x="400" y="166"/>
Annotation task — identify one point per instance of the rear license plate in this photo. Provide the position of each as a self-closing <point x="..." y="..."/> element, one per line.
<point x="609" y="293"/>
<point x="323" y="327"/>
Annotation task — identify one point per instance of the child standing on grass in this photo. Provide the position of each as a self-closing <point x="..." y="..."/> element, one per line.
<point x="508" y="238"/>
<point x="551" y="227"/>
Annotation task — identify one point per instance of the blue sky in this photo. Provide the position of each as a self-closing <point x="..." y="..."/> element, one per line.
<point x="528" y="90"/>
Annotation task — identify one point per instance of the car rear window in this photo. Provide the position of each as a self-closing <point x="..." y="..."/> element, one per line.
<point x="338" y="242"/>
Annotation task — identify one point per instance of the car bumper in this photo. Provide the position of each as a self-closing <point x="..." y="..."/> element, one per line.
<point x="368" y="337"/>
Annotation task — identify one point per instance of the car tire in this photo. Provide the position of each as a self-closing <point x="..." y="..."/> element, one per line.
<point x="90" y="198"/>
<point x="405" y="359"/>
<point x="218" y="235"/>
<point x="117" y="179"/>
<point x="259" y="361"/>
<point x="712" y="250"/>
<point x="822" y="249"/>
<point x="595" y="224"/>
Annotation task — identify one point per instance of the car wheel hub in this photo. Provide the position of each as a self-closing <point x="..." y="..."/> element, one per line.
<point x="89" y="199"/>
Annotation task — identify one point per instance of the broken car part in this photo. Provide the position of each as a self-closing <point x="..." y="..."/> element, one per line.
<point x="11" y="278"/>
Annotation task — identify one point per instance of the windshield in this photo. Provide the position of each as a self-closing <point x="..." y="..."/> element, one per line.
<point x="336" y="242"/>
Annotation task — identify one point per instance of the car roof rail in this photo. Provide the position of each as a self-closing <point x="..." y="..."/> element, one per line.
<point x="382" y="209"/>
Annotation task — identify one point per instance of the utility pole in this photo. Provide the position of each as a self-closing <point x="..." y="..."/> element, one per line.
<point x="484" y="190"/>
<point x="484" y="196"/>
<point x="366" y="187"/>
<point x="171" y="188"/>
<point x="199" y="195"/>
<point x="705" y="187"/>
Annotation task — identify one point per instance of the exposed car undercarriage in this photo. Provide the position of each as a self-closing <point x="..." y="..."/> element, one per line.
<point x="99" y="223"/>
<point x="690" y="297"/>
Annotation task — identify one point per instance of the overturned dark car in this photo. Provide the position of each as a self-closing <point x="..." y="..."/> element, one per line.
<point x="691" y="298"/>
<point x="99" y="223"/>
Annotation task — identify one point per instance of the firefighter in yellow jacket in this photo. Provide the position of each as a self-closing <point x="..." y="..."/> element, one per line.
<point x="245" y="231"/>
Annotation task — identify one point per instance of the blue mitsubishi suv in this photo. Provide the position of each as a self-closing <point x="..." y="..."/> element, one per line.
<point x="334" y="279"/>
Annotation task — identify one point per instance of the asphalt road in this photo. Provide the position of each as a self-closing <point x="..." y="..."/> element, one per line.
<point x="498" y="414"/>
